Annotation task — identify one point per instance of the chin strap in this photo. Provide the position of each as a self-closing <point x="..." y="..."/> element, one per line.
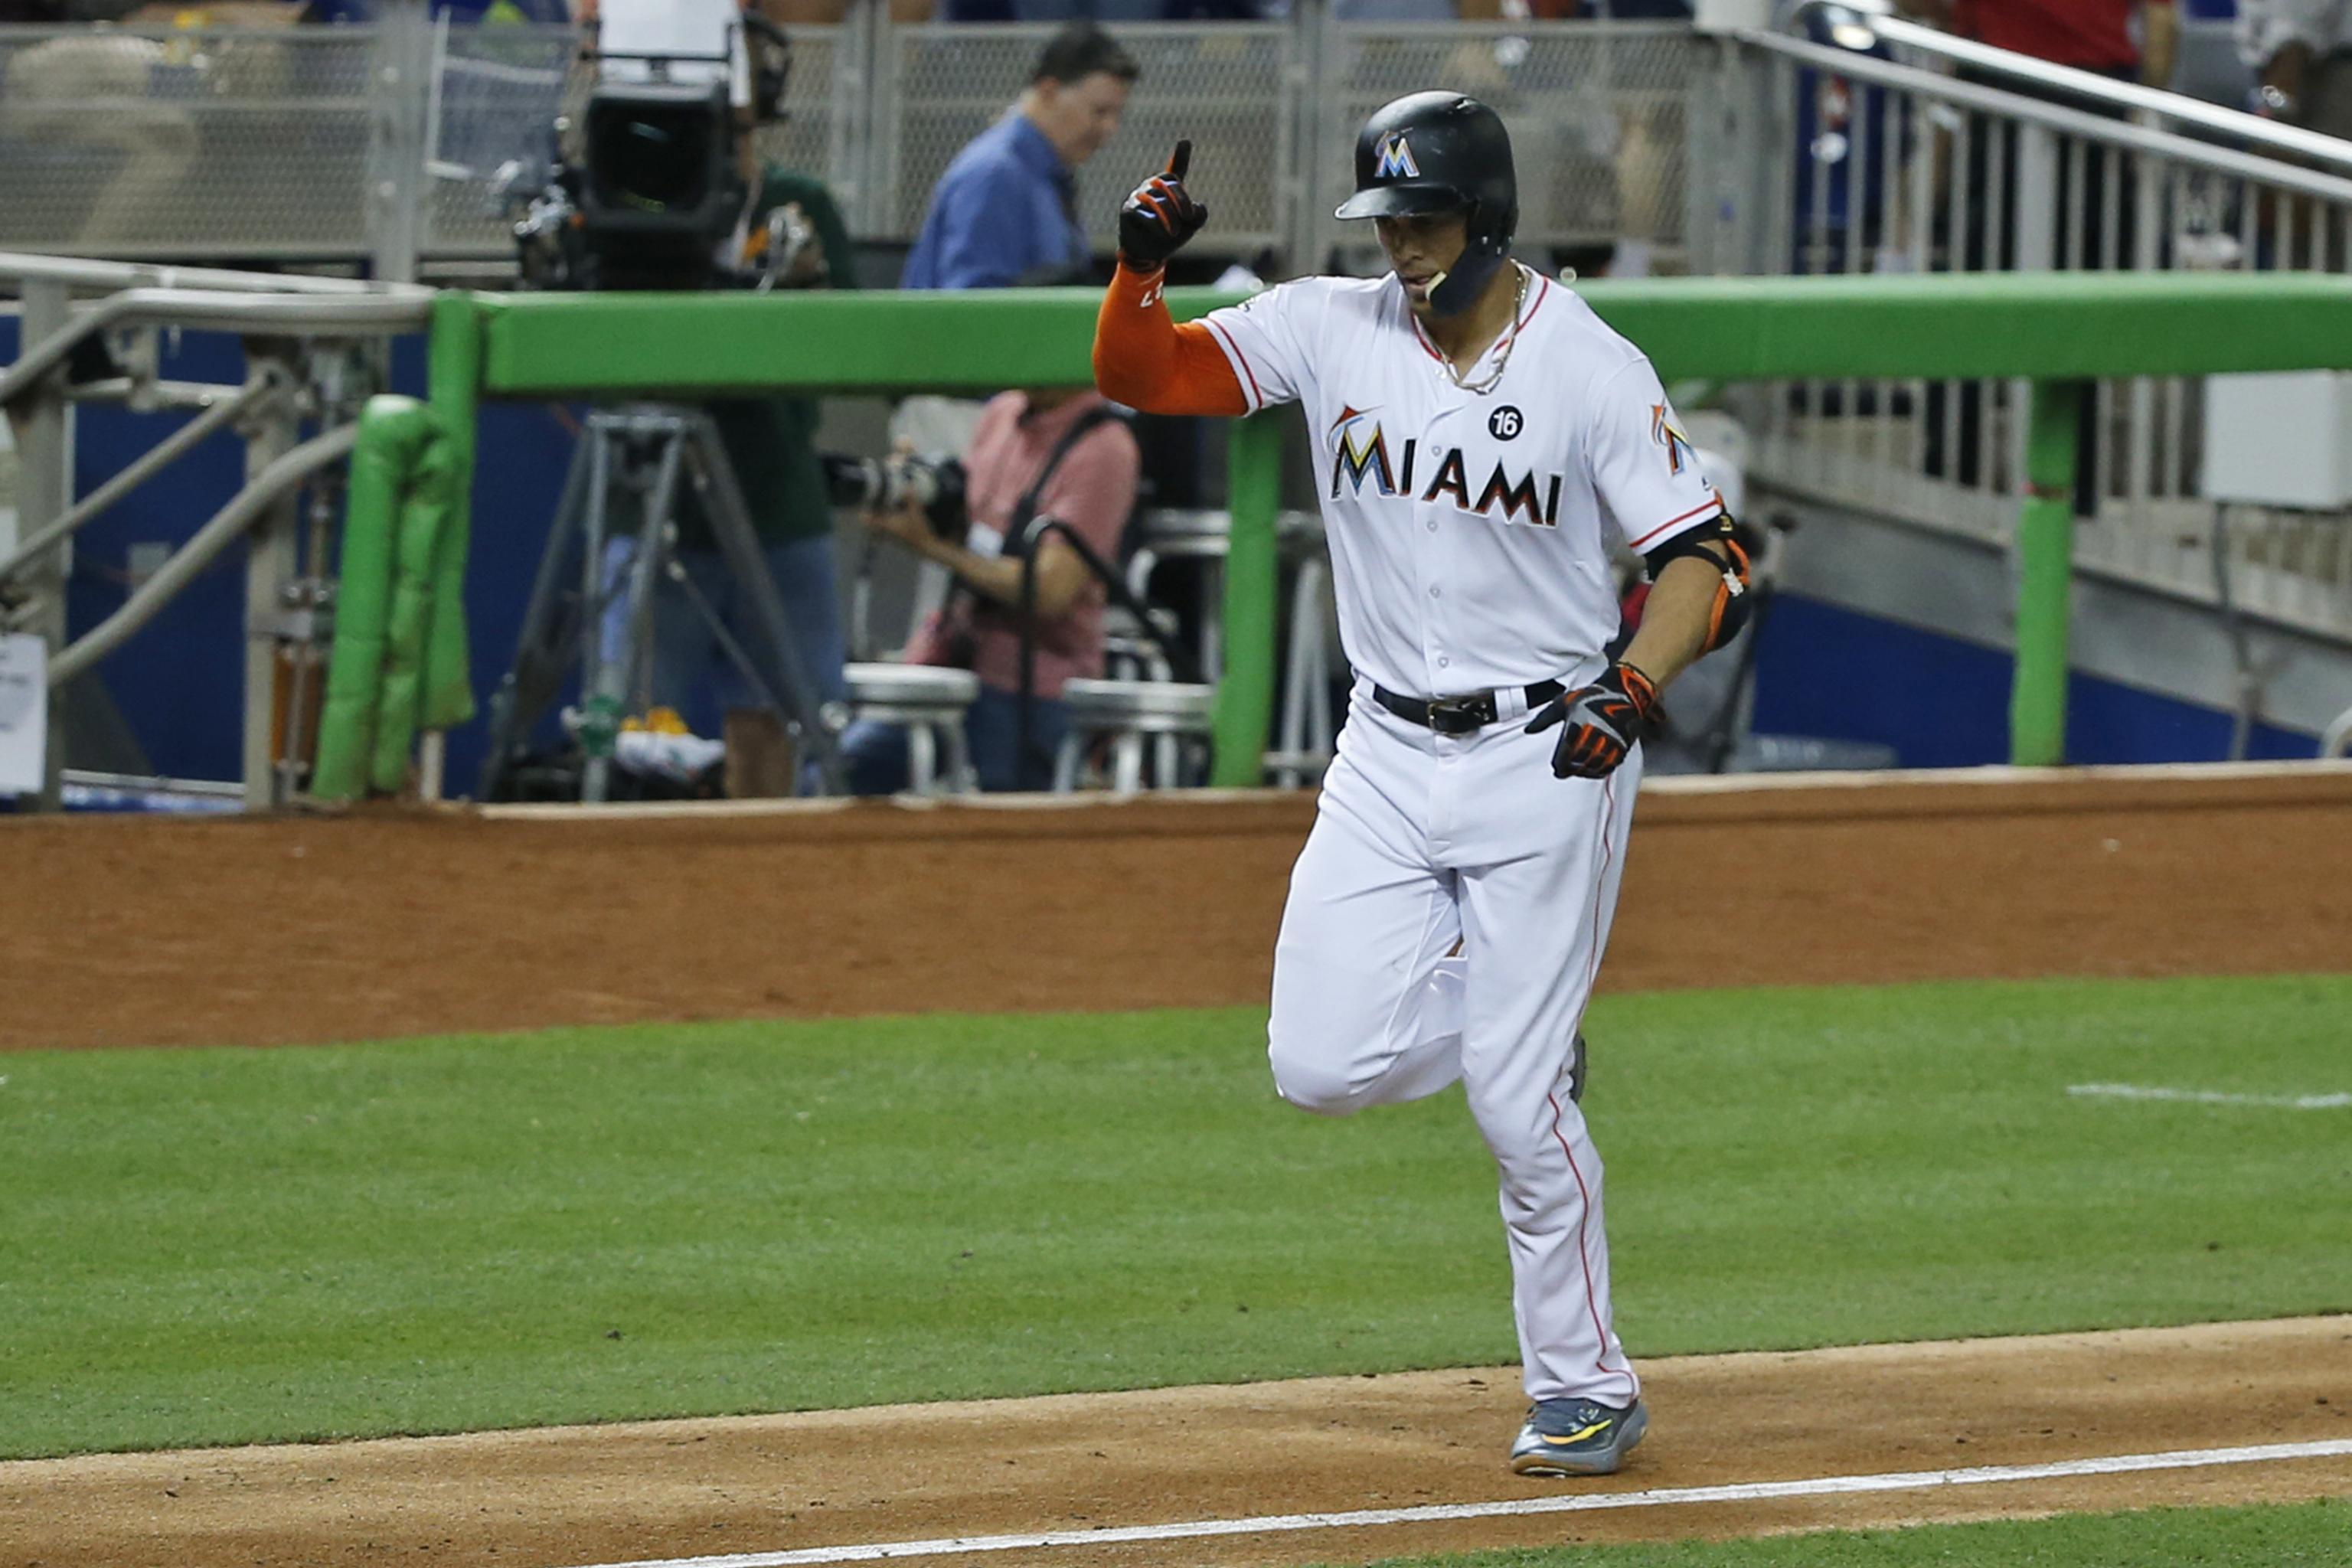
<point x="1451" y="293"/>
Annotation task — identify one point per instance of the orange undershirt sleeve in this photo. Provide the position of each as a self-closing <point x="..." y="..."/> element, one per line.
<point x="1143" y="359"/>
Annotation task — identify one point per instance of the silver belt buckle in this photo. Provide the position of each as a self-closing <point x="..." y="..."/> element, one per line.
<point x="1462" y="715"/>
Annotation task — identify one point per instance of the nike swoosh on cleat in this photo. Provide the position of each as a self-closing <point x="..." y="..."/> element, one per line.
<point x="1576" y="1436"/>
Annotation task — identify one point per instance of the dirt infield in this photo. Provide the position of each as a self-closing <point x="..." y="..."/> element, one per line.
<point x="296" y="930"/>
<point x="1087" y="1462"/>
<point x="299" y="930"/>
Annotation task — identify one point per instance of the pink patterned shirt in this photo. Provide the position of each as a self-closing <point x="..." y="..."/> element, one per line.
<point x="1093" y="490"/>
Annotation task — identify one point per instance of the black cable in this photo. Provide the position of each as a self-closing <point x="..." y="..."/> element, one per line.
<point x="1180" y="659"/>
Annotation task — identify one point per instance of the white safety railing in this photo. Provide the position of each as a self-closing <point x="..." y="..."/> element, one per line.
<point x="314" y="351"/>
<point x="1905" y="164"/>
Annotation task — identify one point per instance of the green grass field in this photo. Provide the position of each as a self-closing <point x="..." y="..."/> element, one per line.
<point x="225" y="1246"/>
<point x="2305" y="1535"/>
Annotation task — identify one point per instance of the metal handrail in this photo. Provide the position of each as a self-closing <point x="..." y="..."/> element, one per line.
<point x="227" y="405"/>
<point x="1877" y="16"/>
<point x="2076" y="122"/>
<point x="193" y="307"/>
<point x="82" y="272"/>
<point x="2337" y="741"/>
<point x="243" y="511"/>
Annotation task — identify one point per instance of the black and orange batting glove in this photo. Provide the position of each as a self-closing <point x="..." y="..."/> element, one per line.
<point x="1599" y="723"/>
<point x="1160" y="215"/>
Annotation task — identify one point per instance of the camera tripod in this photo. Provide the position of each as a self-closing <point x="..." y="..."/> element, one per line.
<point x="640" y="452"/>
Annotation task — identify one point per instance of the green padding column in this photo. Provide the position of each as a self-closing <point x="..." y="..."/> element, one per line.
<point x="420" y="591"/>
<point x="1253" y="569"/>
<point x="394" y="432"/>
<point x="2045" y="553"/>
<point x="453" y="379"/>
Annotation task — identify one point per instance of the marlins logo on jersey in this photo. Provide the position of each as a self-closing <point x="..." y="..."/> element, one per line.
<point x="1396" y="160"/>
<point x="1678" y="446"/>
<point x="1359" y="458"/>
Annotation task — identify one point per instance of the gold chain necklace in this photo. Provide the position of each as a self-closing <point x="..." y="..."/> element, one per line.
<point x="1503" y="360"/>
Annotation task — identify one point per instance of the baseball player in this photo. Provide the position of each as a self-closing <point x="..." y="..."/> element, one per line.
<point x="1479" y="438"/>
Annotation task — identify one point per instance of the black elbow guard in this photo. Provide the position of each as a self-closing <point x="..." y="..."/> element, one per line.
<point x="1716" y="542"/>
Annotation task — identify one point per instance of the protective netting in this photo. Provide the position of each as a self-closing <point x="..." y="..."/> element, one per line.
<point x="235" y="143"/>
<point x="498" y="95"/>
<point x="249" y="143"/>
<point x="1596" y="111"/>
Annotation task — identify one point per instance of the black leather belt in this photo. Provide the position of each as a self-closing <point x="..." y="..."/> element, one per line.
<point x="1462" y="715"/>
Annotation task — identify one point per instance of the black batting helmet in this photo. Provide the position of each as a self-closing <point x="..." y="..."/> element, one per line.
<point x="1441" y="151"/>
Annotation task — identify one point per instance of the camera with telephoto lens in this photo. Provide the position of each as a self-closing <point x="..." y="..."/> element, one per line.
<point x="936" y="485"/>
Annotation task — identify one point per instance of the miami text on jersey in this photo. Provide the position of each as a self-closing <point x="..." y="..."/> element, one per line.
<point x="1359" y="457"/>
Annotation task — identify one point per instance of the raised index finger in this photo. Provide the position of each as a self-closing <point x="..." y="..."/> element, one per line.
<point x="1179" y="160"/>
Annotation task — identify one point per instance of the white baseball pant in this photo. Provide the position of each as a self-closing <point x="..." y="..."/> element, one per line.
<point x="1422" y="840"/>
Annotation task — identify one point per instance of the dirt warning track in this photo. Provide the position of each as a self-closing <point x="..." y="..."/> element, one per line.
<point x="289" y="929"/>
<point x="829" y="1485"/>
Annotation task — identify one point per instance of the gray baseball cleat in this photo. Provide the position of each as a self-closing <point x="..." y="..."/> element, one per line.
<point x="1576" y="1437"/>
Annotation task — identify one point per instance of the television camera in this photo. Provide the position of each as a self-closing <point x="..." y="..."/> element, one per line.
<point x="652" y="181"/>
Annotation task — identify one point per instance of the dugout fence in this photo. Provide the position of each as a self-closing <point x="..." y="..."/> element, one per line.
<point x="2057" y="333"/>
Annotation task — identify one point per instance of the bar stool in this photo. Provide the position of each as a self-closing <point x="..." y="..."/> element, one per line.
<point x="931" y="703"/>
<point x="1175" y="533"/>
<point x="1127" y="712"/>
<point x="1131" y="654"/>
<point x="1306" y="730"/>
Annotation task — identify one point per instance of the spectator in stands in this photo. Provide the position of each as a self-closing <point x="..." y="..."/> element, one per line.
<point x="1056" y="11"/>
<point x="1614" y="10"/>
<point x="1060" y="454"/>
<point x="1412" y="10"/>
<point x="2301" y="50"/>
<point x="1007" y="210"/>
<point x="1051" y="10"/>
<point x="2130" y="40"/>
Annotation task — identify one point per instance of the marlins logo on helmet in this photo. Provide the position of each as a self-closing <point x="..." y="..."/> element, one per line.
<point x="1396" y="160"/>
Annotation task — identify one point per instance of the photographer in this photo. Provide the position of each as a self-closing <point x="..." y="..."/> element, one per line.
<point x="1059" y="453"/>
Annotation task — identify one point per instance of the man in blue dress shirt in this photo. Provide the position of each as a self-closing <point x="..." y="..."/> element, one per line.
<point x="1007" y="210"/>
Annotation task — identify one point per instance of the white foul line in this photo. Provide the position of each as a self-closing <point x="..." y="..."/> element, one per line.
<point x="2210" y="1096"/>
<point x="1558" y="1502"/>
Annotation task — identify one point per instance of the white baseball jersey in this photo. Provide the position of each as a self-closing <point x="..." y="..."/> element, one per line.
<point x="1447" y="916"/>
<point x="1467" y="530"/>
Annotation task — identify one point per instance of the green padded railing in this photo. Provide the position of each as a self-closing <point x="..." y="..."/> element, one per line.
<point x="2054" y="329"/>
<point x="399" y="606"/>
